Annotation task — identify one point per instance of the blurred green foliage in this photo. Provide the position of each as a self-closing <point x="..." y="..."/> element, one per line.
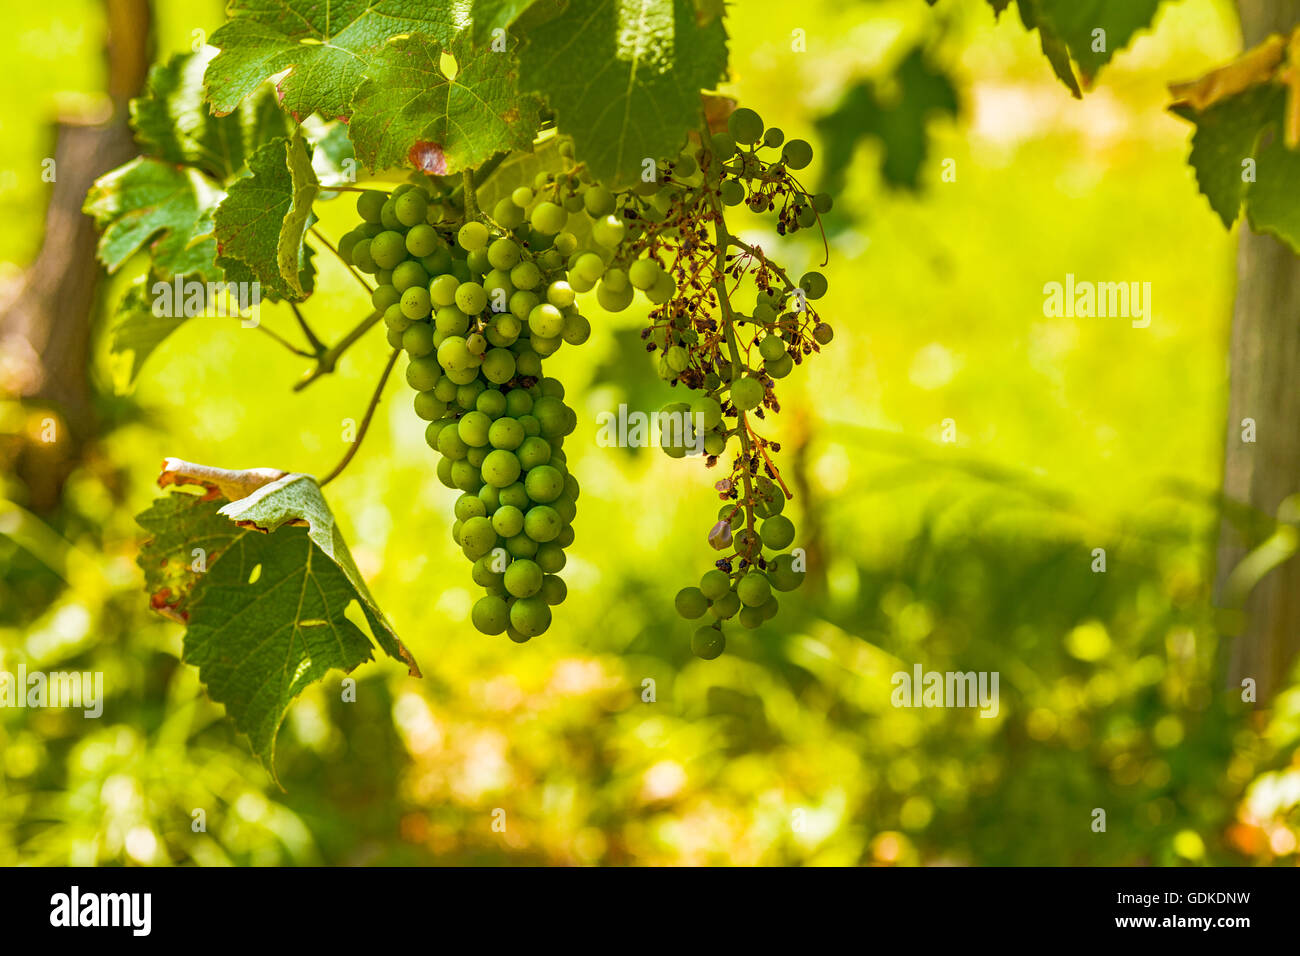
<point x="606" y="741"/>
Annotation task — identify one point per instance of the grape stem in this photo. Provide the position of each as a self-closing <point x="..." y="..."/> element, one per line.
<point x="470" y="198"/>
<point x="724" y="305"/>
<point x="285" y="342"/>
<point x="350" y="267"/>
<point x="757" y="253"/>
<point x="365" y="422"/>
<point x="317" y="346"/>
<point x="327" y="360"/>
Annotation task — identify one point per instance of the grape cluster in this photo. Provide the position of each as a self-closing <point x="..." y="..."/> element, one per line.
<point x="477" y="308"/>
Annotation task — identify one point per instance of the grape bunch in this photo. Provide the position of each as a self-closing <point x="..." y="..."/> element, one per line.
<point x="477" y="308"/>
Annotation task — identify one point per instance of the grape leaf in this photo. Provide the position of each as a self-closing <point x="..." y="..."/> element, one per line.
<point x="1075" y="21"/>
<point x="898" y="123"/>
<point x="326" y="48"/>
<point x="408" y="112"/>
<point x="624" y="78"/>
<point x="1227" y="132"/>
<point x="265" y="216"/>
<point x="489" y="15"/>
<point x="137" y="331"/>
<point x="262" y="582"/>
<point x="172" y="123"/>
<point x="1272" y="201"/>
<point x="151" y="201"/>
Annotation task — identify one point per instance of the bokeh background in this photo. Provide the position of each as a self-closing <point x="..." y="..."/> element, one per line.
<point x="1071" y="435"/>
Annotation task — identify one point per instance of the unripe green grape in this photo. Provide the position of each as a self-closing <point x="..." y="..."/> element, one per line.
<point x="806" y="217"/>
<point x="747" y="543"/>
<point x="533" y="451"/>
<point x="551" y="558"/>
<point x="685" y="167"/>
<point x="548" y="218"/>
<point x="465" y="476"/>
<point x="677" y="358"/>
<point x="388" y="249"/>
<point x="456" y="527"/>
<point x="769" y="500"/>
<point x="432" y="432"/>
<point x="707" y="643"/>
<point x="644" y="273"/>
<point x="384" y="296"/>
<point x="576" y="329"/>
<point x="516" y="496"/>
<point x="503" y="253"/>
<point x="491" y="402"/>
<point x="589" y="266"/>
<point x="663" y="290"/>
<point x="369" y="204"/>
<point x="467" y="393"/>
<point x="560" y="294"/>
<point x="732" y="192"/>
<point x="476" y="343"/>
<point x="443" y="472"/>
<point x="528" y="363"/>
<point x="598" y="201"/>
<point x="417" y="340"/>
<point x="522" y="303"/>
<point x="725" y="606"/>
<point x="753" y="589"/>
<point x="490" y="615"/>
<point x="508" y="214"/>
<point x="549" y="386"/>
<point x="472" y="236"/>
<point x="499" y="366"/>
<point x="714" y="584"/>
<point x="565" y="245"/>
<point x="453" y="354"/>
<point x="415" y="303"/>
<point x="473" y="429"/>
<point x="750" y="617"/>
<point x="554" y="590"/>
<point x="506" y="433"/>
<point x="813" y="285"/>
<point x="450" y="320"/>
<point x="715" y="443"/>
<point x="384" y="277"/>
<point x="483" y="572"/>
<point x="428" y="406"/>
<point x="523" y="578"/>
<point x="770" y="608"/>
<point x="745" y="126"/>
<point x="774" y="137"/>
<point x="521" y="546"/>
<point x="491" y="497"/>
<point x="746" y="393"/>
<point x="530" y="616"/>
<point x="797" y="153"/>
<point x="777" y="532"/>
<point x="442" y="290"/>
<point x="544" y="484"/>
<point x="518" y="402"/>
<point x="822" y="202"/>
<point x="554" y="417"/>
<point x="471" y="298"/>
<point x="396" y="320"/>
<point x="410" y="207"/>
<point x="611" y="300"/>
<point x="521" y="196"/>
<point x="476" y="535"/>
<point x="823" y="333"/>
<point x="476" y="457"/>
<point x="410" y="274"/>
<point x="573" y="203"/>
<point x="507" y="520"/>
<point x="771" y="348"/>
<point x="525" y="275"/>
<point x="691" y="603"/>
<point x="546" y="320"/>
<point x="501" y="468"/>
<point x="608" y="231"/>
<point x="542" y="523"/>
<point x="530" y="426"/>
<point x="779" y="368"/>
<point x="347" y="241"/>
<point x="438" y="262"/>
<point x="469" y="506"/>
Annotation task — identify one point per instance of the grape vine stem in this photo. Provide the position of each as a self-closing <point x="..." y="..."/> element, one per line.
<point x="365" y="422"/>
<point x="328" y="359"/>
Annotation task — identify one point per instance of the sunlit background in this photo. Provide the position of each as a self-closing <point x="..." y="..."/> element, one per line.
<point x="605" y="741"/>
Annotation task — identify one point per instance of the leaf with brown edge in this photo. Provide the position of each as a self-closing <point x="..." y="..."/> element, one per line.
<point x="1254" y="67"/>
<point x="255" y="567"/>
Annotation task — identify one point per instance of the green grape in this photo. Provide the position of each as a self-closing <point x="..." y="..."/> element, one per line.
<point x="555" y="418"/>
<point x="503" y="253"/>
<point x="612" y="301"/>
<point x="415" y="303"/>
<point x="450" y="444"/>
<point x="608" y="231"/>
<point x="691" y="603"/>
<point x="490" y="615"/>
<point x="598" y="201"/>
<point x="473" y="428"/>
<point x="725" y="606"/>
<point x="369" y="205"/>
<point x="747" y="543"/>
<point x="745" y="126"/>
<point x="532" y="428"/>
<point x="508" y="521"/>
<point x="677" y="358"/>
<point x="410" y="274"/>
<point x="746" y="393"/>
<point x="542" y="523"/>
<point x="467" y="393"/>
<point x="384" y="296"/>
<point x="428" y="406"/>
<point x="523" y="578"/>
<point x="750" y="617"/>
<point x="491" y="497"/>
<point x="823" y="333"/>
<point x="616" y="280"/>
<point x="549" y="387"/>
<point x="533" y="451"/>
<point x="548" y="218"/>
<point x="521" y="196"/>
<point x="722" y="145"/>
<point x="530" y="616"/>
<point x="501" y="468"/>
<point x="472" y="236"/>
<point x="714" y="584"/>
<point x="442" y="290"/>
<point x="589" y="266"/>
<point x="388" y="249"/>
<point x="544" y="484"/>
<point x="807" y="217"/>
<point x="708" y="409"/>
<point x="506" y="433"/>
<point x="797" y="153"/>
<point x="771" y="348"/>
<point x="518" y="403"/>
<point x="476" y="456"/>
<point x="418" y="339"/>
<point x="779" y="368"/>
<point x="707" y="643"/>
<point x="551" y="558"/>
<point x="732" y="192"/>
<point x="499" y="365"/>
<point x="433" y="431"/>
<point x="450" y="321"/>
<point x="469" y="506"/>
<point x="396" y="320"/>
<point x="770" y="608"/>
<point x="560" y="294"/>
<point x="777" y="532"/>
<point x="348" y="240"/>
<point x="471" y="298"/>
<point x="753" y="589"/>
<point x="546" y="320"/>
<point x="410" y="207"/>
<point x="477" y="537"/>
<point x="466" y="475"/>
<point x="444" y="472"/>
<point x="769" y="500"/>
<point x="644" y="273"/>
<point x="813" y="284"/>
<point x="454" y="354"/>
<point x="774" y="137"/>
<point x="576" y="329"/>
<point x="525" y="275"/>
<point x="508" y="214"/>
<point x="715" y="444"/>
<point x="423" y="373"/>
<point x="521" y="546"/>
<point x="554" y="590"/>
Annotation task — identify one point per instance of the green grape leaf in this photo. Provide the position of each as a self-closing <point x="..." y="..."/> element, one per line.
<point x="260" y="575"/>
<point x="137" y="331"/>
<point x="326" y="48"/>
<point x="1227" y="133"/>
<point x="409" y="112"/>
<point x="624" y="78"/>
<point x="334" y="158"/>
<point x="1272" y="200"/>
<point x="489" y="15"/>
<point x="148" y="201"/>
<point x="172" y="123"/>
<point x="264" y="217"/>
<point x="898" y="122"/>
<point x="1090" y="31"/>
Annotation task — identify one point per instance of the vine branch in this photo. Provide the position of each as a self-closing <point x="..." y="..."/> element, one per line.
<point x="365" y="422"/>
